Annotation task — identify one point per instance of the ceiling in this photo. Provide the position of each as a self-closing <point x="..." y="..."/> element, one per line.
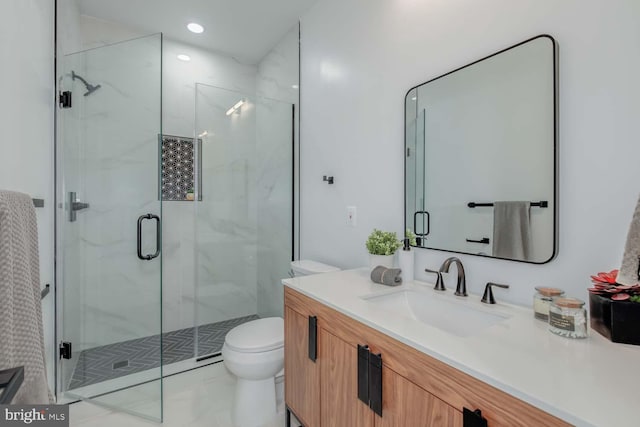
<point x="244" y="29"/>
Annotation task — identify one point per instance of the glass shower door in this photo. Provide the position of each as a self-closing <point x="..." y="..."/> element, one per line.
<point x="108" y="225"/>
<point x="244" y="211"/>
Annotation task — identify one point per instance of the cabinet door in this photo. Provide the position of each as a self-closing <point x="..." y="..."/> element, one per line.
<point x="302" y="375"/>
<point x="339" y="384"/>
<point x="405" y="404"/>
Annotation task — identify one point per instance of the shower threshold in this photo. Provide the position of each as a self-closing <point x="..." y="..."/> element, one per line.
<point x="99" y="364"/>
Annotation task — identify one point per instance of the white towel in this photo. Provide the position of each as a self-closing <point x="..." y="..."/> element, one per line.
<point x="629" y="270"/>
<point x="21" y="335"/>
<point x="512" y="230"/>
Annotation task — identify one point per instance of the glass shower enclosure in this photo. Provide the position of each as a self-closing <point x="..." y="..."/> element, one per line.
<point x="168" y="235"/>
<point x="108" y="224"/>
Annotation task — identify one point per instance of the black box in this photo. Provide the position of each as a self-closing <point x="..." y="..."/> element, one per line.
<point x="619" y="321"/>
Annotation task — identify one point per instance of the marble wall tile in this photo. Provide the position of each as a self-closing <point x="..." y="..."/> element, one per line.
<point x="276" y="153"/>
<point x="226" y="217"/>
<point x="216" y="253"/>
<point x="109" y="295"/>
<point x="187" y="267"/>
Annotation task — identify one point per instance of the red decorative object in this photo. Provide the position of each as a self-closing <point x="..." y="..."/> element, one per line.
<point x="605" y="284"/>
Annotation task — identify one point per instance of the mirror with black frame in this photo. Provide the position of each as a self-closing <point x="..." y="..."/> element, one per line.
<point x="480" y="156"/>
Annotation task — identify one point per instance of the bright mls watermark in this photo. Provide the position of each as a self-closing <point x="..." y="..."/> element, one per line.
<point x="34" y="415"/>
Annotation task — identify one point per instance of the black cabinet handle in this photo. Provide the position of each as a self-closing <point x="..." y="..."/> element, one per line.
<point x="473" y="418"/>
<point x="149" y="257"/>
<point x="375" y="383"/>
<point x="313" y="338"/>
<point x="363" y="373"/>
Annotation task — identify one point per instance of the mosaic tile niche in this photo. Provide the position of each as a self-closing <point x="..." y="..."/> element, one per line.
<point x="178" y="167"/>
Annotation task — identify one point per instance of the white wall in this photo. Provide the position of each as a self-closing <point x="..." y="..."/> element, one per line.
<point x="26" y="120"/>
<point x="360" y="57"/>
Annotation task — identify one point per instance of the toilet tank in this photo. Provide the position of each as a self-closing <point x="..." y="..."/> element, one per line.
<point x="305" y="267"/>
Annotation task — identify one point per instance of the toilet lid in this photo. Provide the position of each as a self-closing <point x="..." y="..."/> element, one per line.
<point x="257" y="336"/>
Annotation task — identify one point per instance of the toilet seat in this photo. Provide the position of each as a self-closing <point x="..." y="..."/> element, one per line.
<point x="257" y="336"/>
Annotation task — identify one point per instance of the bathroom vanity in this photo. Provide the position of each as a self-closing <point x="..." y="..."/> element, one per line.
<point x="362" y="354"/>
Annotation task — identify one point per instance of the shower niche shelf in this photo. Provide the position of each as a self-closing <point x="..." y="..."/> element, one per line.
<point x="180" y="174"/>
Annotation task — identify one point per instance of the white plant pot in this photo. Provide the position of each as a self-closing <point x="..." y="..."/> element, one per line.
<point x="383" y="260"/>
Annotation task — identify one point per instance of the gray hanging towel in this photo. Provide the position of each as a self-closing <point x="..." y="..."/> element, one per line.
<point x="630" y="269"/>
<point x="21" y="335"/>
<point x="512" y="230"/>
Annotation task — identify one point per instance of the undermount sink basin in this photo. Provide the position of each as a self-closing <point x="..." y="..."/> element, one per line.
<point x="445" y="312"/>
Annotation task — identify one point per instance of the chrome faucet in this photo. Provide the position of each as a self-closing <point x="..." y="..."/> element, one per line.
<point x="461" y="287"/>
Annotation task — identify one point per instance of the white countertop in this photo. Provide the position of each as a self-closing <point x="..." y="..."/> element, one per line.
<point x="586" y="382"/>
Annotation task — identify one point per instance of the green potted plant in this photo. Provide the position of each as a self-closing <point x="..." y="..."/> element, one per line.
<point x="190" y="195"/>
<point x="382" y="246"/>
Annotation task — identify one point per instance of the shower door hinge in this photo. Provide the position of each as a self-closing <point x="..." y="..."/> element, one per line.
<point x="64" y="99"/>
<point x="65" y="350"/>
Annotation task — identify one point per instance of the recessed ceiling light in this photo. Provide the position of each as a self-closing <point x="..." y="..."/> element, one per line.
<point x="295" y="86"/>
<point x="195" y="28"/>
<point x="414" y="98"/>
<point x="183" y="57"/>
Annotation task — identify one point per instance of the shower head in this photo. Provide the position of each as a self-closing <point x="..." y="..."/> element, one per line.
<point x="90" y="88"/>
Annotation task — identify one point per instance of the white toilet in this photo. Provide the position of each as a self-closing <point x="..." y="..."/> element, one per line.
<point x="254" y="353"/>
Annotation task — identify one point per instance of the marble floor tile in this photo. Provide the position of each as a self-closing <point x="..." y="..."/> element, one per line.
<point x="201" y="397"/>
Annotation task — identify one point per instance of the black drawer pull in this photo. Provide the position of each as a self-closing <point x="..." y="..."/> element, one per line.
<point x="363" y="374"/>
<point x="313" y="338"/>
<point x="473" y="418"/>
<point x="375" y="383"/>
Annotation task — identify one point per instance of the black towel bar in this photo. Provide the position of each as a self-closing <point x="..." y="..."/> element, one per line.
<point x="484" y="240"/>
<point x="541" y="204"/>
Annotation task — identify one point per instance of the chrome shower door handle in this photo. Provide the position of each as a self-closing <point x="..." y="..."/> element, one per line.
<point x="141" y="219"/>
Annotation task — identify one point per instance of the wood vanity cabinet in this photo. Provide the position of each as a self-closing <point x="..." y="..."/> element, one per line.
<point x="302" y="391"/>
<point x="338" y="385"/>
<point x="417" y="390"/>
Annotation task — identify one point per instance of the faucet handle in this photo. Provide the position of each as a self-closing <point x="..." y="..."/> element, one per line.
<point x="488" y="298"/>
<point x="439" y="282"/>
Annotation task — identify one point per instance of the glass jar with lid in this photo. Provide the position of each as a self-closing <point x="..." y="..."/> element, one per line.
<point x="542" y="300"/>
<point x="568" y="318"/>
